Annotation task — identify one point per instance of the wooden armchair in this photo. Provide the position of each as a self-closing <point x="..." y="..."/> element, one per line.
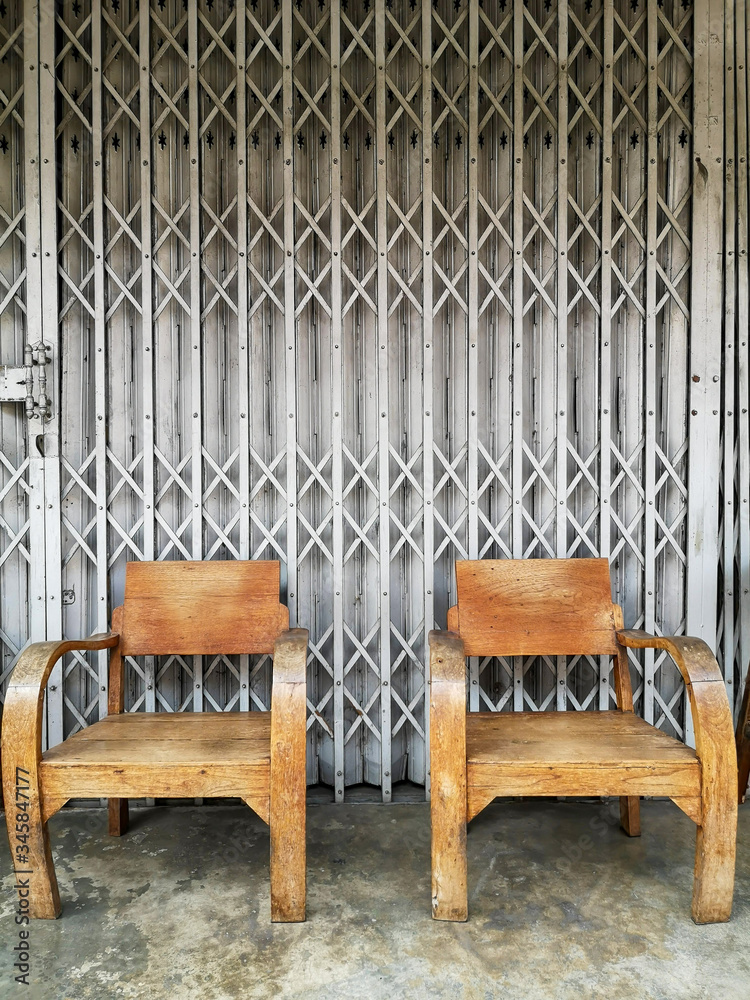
<point x="170" y="607"/>
<point x="564" y="606"/>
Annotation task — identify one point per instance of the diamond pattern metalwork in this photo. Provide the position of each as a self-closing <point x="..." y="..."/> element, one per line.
<point x="15" y="484"/>
<point x="366" y="288"/>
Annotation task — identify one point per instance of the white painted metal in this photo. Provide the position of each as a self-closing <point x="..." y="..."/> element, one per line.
<point x="370" y="287"/>
<point x="472" y="333"/>
<point x="428" y="465"/>
<point x="337" y="404"/>
<point x="24" y="441"/>
<point x="243" y="381"/>
<point x="517" y="364"/>
<point x="561" y="339"/>
<point x="194" y="316"/>
<point x="727" y="627"/>
<point x="383" y="406"/>
<point x="49" y="434"/>
<point x="22" y="613"/>
<point x="606" y="692"/>
<point x="143" y="64"/>
<point x="706" y="314"/>
<point x="742" y="368"/>
<point x="99" y="345"/>
<point x="706" y="317"/>
<point x="650" y="353"/>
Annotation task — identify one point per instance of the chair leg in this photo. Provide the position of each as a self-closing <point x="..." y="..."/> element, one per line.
<point x="448" y="797"/>
<point x="287" y="800"/>
<point x="288" y="862"/>
<point x="449" y="896"/>
<point x="630" y="815"/>
<point x="118" y="817"/>
<point x="713" y="884"/>
<point x="34" y="870"/>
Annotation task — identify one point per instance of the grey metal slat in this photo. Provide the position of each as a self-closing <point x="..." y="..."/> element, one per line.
<point x="428" y="433"/>
<point x="337" y="403"/>
<point x="384" y="501"/>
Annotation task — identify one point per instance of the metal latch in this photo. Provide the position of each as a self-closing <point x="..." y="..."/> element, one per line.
<point x="17" y="382"/>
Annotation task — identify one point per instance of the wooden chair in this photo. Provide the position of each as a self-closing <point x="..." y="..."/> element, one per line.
<point x="184" y="608"/>
<point x="743" y="742"/>
<point x="564" y="606"/>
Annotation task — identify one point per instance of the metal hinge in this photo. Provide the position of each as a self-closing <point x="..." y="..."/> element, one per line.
<point x="17" y="382"/>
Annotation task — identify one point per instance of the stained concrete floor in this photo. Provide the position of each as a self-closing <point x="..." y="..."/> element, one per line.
<point x="562" y="905"/>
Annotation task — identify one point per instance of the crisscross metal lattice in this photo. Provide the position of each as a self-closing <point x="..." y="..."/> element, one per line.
<point x="22" y="612"/>
<point x="368" y="287"/>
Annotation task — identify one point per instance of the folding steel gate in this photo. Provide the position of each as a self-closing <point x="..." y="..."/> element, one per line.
<point x="367" y="287"/>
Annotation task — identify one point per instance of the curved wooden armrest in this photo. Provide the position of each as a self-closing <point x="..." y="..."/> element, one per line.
<point x="712" y="716"/>
<point x="447" y="658"/>
<point x="24" y="700"/>
<point x="714" y="744"/>
<point x="290" y="657"/>
<point x="693" y="657"/>
<point x="36" y="662"/>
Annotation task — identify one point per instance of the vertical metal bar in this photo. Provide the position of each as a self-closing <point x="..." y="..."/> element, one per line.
<point x="384" y="546"/>
<point x="473" y="374"/>
<point x="428" y="440"/>
<point x="50" y="334"/>
<point x="337" y="391"/>
<point x="34" y="319"/>
<point x="561" y="375"/>
<point x="196" y="400"/>
<point x="730" y="319"/>
<point x="706" y="310"/>
<point x="649" y="353"/>
<point x="242" y="315"/>
<point x="289" y="321"/>
<point x="743" y="310"/>
<point x="147" y="318"/>
<point x="100" y="345"/>
<point x="517" y="373"/>
<point x="605" y="339"/>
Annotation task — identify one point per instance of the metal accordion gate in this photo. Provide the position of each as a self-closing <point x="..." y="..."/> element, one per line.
<point x="368" y="287"/>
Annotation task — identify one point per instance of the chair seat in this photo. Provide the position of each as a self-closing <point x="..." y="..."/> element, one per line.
<point x="164" y="755"/>
<point x="574" y="753"/>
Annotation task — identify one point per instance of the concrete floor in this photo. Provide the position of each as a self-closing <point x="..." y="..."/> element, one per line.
<point x="562" y="905"/>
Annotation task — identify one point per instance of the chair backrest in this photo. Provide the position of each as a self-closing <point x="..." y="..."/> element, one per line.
<point x="515" y="607"/>
<point x="201" y="607"/>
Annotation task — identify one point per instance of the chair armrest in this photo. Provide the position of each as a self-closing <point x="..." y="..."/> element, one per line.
<point x="712" y="716"/>
<point x="447" y="702"/>
<point x="447" y="658"/>
<point x="289" y="702"/>
<point x="693" y="657"/>
<point x="290" y="657"/>
<point x="289" y="695"/>
<point x="35" y="663"/>
<point x="24" y="701"/>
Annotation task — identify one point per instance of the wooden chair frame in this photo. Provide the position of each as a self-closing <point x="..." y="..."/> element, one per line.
<point x="706" y="792"/>
<point x="276" y="790"/>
